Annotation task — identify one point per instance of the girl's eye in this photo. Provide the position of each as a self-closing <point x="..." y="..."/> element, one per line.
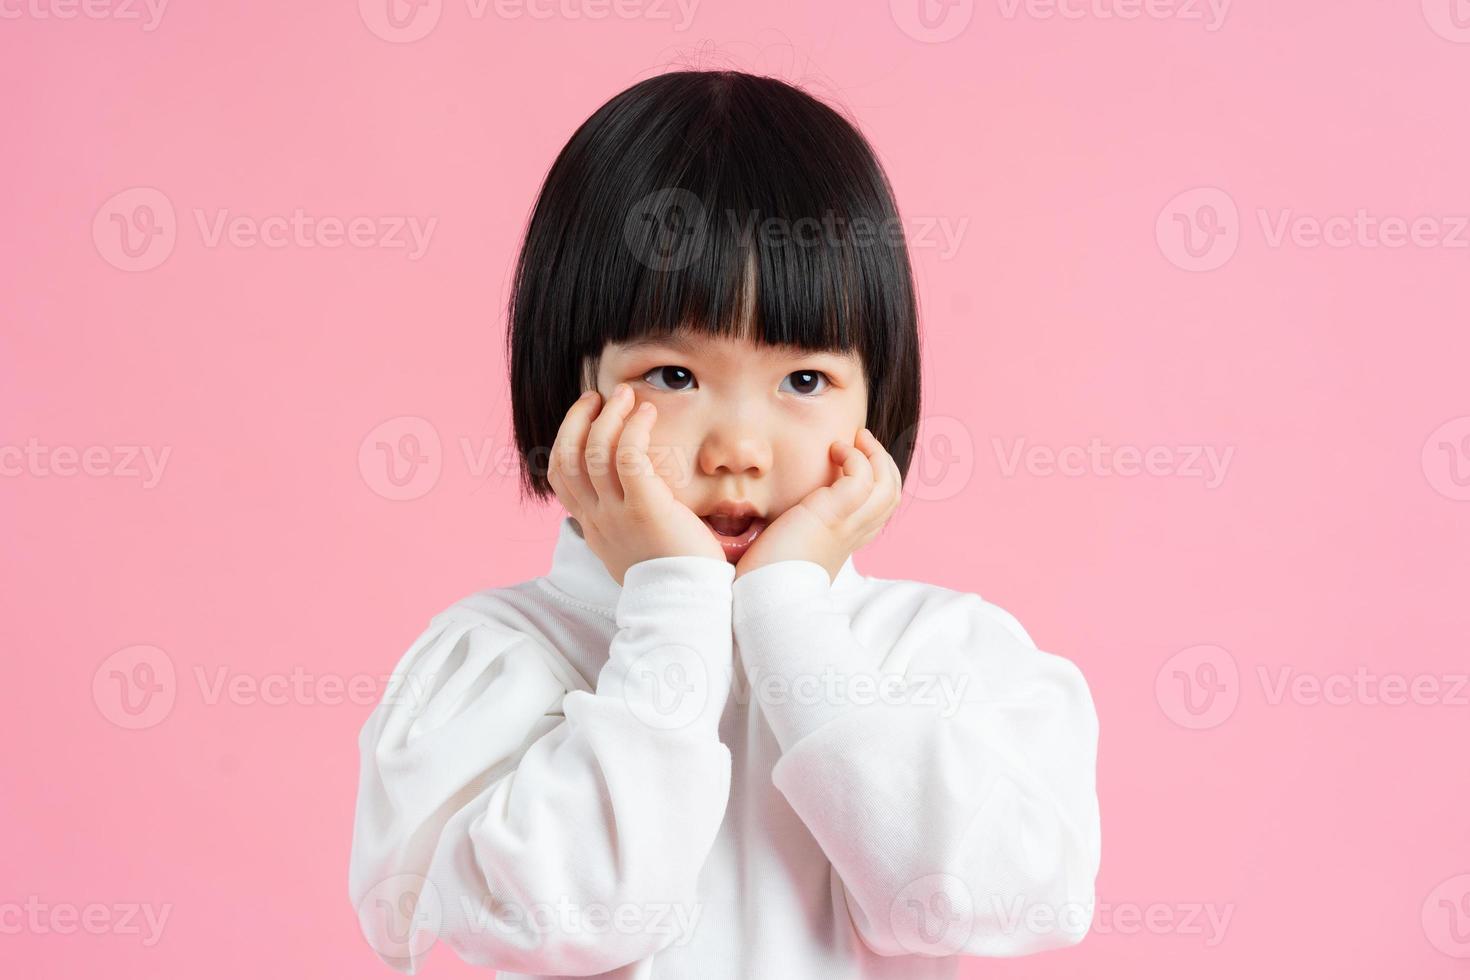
<point x="671" y="377"/>
<point x="806" y="380"/>
<point x="673" y="374"/>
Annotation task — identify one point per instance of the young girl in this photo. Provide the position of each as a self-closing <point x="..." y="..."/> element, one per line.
<point x="703" y="744"/>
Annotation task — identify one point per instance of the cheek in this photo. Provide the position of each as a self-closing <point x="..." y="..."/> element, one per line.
<point x="671" y="450"/>
<point x="805" y="463"/>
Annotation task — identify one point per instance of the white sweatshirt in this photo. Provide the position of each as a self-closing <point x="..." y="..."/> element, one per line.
<point x="693" y="776"/>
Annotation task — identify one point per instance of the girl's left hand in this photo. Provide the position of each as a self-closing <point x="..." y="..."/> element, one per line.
<point x="832" y="522"/>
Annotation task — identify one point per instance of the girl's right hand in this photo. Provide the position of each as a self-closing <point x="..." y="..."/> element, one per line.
<point x="601" y="472"/>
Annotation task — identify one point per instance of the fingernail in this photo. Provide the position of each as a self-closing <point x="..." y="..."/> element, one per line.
<point x="586" y="395"/>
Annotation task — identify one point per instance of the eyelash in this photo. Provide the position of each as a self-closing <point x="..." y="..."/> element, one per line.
<point x="663" y="367"/>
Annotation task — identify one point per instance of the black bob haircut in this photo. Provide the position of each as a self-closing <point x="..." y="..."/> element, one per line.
<point x="724" y="203"/>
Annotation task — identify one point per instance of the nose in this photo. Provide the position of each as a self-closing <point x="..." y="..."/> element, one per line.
<point x="735" y="444"/>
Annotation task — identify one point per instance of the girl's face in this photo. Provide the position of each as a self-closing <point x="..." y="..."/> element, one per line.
<point x="740" y="421"/>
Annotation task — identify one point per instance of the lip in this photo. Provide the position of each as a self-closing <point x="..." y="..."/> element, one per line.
<point x="733" y="508"/>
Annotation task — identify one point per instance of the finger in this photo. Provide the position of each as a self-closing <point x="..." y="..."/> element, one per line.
<point x="635" y="469"/>
<point x="565" y="472"/>
<point x="855" y="485"/>
<point x="887" y="483"/>
<point x="837" y="501"/>
<point x="601" y="468"/>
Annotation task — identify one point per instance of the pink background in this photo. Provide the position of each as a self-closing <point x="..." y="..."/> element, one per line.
<point x="1069" y="153"/>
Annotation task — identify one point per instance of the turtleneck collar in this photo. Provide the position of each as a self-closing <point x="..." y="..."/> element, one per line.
<point x="578" y="572"/>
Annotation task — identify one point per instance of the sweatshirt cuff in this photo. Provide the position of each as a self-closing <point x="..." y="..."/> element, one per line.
<point x="694" y="576"/>
<point x="671" y="659"/>
<point x="798" y="649"/>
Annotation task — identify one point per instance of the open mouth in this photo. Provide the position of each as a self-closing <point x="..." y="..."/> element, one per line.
<point x="735" y="534"/>
<point x="730" y="527"/>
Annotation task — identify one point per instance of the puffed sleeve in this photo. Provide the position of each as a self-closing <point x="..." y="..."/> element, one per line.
<point x="538" y="829"/>
<point x="950" y="779"/>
